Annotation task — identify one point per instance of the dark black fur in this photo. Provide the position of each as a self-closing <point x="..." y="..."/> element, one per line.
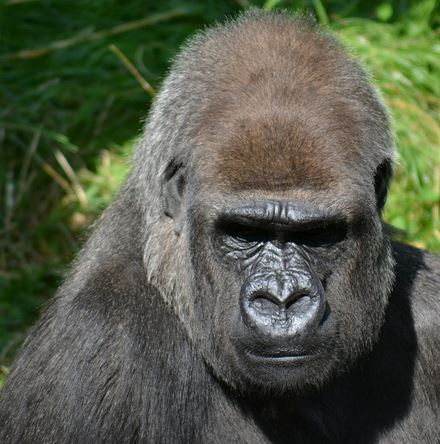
<point x="136" y="346"/>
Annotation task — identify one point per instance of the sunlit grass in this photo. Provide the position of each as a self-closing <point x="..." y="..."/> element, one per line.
<point x="404" y="59"/>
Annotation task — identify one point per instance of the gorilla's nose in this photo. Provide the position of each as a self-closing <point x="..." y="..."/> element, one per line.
<point x="285" y="303"/>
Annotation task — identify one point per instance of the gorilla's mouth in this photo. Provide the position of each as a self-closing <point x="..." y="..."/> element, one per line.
<point x="281" y="358"/>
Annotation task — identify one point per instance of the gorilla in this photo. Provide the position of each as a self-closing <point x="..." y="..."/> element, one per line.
<point x="242" y="287"/>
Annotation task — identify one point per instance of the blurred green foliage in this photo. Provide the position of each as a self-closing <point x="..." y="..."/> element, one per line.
<point x="70" y="109"/>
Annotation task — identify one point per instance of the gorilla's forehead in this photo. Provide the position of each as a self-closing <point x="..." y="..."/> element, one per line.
<point x="279" y="150"/>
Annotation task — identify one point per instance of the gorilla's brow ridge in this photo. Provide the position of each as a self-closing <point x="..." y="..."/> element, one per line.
<point x="281" y="214"/>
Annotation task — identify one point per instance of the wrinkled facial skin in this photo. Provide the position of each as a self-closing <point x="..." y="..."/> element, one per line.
<point x="279" y="296"/>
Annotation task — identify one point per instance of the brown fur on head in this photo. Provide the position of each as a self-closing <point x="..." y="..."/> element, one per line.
<point x="283" y="98"/>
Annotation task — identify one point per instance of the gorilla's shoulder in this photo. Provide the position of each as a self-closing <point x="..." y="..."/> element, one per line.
<point x="417" y="268"/>
<point x="418" y="283"/>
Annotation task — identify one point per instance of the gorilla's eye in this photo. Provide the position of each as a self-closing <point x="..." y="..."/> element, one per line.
<point x="320" y="236"/>
<point x="245" y="233"/>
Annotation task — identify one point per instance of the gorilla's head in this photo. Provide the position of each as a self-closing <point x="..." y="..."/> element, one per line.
<point x="264" y="171"/>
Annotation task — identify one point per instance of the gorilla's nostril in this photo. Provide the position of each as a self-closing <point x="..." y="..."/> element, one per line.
<point x="269" y="303"/>
<point x="265" y="303"/>
<point x="294" y="297"/>
<point x="261" y="295"/>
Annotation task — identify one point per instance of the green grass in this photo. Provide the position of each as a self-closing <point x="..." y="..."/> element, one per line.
<point x="404" y="59"/>
<point x="70" y="110"/>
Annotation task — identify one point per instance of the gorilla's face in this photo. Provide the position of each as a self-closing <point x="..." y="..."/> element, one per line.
<point x="286" y="291"/>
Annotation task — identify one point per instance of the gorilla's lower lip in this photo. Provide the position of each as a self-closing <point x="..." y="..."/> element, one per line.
<point x="281" y="359"/>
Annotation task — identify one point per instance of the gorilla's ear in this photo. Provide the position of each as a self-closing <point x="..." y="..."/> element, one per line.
<point x="173" y="188"/>
<point x="381" y="180"/>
